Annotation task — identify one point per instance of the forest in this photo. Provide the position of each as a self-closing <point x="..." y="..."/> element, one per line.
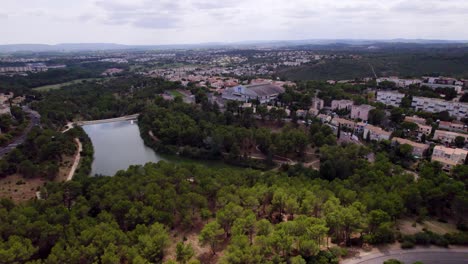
<point x="386" y="62"/>
<point x="253" y="216"/>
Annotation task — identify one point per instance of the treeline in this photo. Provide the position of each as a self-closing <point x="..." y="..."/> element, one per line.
<point x="22" y="84"/>
<point x="235" y="135"/>
<point x="254" y="217"/>
<point x="39" y="156"/>
<point x="99" y="100"/>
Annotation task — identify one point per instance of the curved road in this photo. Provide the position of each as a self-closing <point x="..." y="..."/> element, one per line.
<point x="35" y="119"/>
<point x="425" y="255"/>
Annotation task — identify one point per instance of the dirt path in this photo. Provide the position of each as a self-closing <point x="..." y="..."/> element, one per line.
<point x="76" y="161"/>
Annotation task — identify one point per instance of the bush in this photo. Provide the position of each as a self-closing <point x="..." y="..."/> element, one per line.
<point x="460" y="238"/>
<point x="407" y="244"/>
<point x="339" y="251"/>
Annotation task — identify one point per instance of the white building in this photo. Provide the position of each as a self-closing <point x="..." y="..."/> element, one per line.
<point x="449" y="157"/>
<point x="419" y="149"/>
<point x="401" y="83"/>
<point x="390" y="98"/>
<point x="433" y="105"/>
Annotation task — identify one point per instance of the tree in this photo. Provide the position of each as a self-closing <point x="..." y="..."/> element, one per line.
<point x="28" y="169"/>
<point x="16" y="250"/>
<point x="184" y="252"/>
<point x="459" y="141"/>
<point x="396" y="115"/>
<point x="211" y="235"/>
<point x="152" y="244"/>
<point x="376" y="116"/>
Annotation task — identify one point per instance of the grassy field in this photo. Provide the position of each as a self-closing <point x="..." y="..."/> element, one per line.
<point x="46" y="88"/>
<point x="176" y="93"/>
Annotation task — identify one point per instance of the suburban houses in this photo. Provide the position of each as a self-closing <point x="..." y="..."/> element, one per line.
<point x="448" y="136"/>
<point x="376" y="133"/>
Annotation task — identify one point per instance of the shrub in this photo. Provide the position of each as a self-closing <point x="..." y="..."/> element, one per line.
<point x="407" y="244"/>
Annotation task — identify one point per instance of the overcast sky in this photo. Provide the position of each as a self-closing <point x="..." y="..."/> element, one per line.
<point x="199" y="21"/>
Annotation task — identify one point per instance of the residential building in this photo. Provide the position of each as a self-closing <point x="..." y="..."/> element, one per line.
<point x="415" y="119"/>
<point x="390" y="98"/>
<point x="324" y="118"/>
<point x="317" y="103"/>
<point x="434" y="105"/>
<point x="341" y="104"/>
<point x="376" y="133"/>
<point x="359" y="128"/>
<point x="401" y="83"/>
<point x="448" y="136"/>
<point x="262" y="92"/>
<point x="449" y="157"/>
<point x="451" y="126"/>
<point x="361" y="111"/>
<point x="336" y="121"/>
<point x="424" y="129"/>
<point x="419" y="149"/>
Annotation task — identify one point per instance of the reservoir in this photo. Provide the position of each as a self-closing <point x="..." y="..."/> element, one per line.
<point x="117" y="145"/>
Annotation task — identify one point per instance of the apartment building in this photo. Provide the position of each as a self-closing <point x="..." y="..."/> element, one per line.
<point x="451" y="126"/>
<point x="390" y="98"/>
<point x="341" y="104"/>
<point x="401" y="83"/>
<point x="317" y="103"/>
<point x="336" y="121"/>
<point x="449" y="157"/>
<point x="419" y="149"/>
<point x="424" y="129"/>
<point x="415" y="119"/>
<point x="361" y="112"/>
<point x="433" y="105"/>
<point x="376" y="133"/>
<point x="448" y="136"/>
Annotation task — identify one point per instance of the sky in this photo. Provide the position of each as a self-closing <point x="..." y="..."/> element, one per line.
<point x="200" y="21"/>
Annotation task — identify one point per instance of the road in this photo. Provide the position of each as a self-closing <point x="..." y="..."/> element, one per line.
<point x="425" y="255"/>
<point x="35" y="119"/>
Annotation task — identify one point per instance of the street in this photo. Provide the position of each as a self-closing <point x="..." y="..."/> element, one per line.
<point x="35" y="119"/>
<point x="425" y="255"/>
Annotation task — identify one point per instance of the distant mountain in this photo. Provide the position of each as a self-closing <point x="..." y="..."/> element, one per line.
<point x="74" y="47"/>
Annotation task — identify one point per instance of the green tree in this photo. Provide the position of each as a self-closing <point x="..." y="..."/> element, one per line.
<point x="184" y="252"/>
<point x="211" y="235"/>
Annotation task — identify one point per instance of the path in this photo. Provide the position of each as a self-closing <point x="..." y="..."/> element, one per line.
<point x="35" y="121"/>
<point x="76" y="161"/>
<point x="429" y="255"/>
<point x="109" y="120"/>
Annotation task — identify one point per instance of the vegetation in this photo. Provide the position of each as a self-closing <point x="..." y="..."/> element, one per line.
<point x="11" y="126"/>
<point x="129" y="217"/>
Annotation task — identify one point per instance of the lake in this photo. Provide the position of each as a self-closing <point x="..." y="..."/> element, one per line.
<point x="117" y="145"/>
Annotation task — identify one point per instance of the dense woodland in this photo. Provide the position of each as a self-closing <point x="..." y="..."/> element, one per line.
<point x="12" y="125"/>
<point x="386" y="62"/>
<point x="74" y="70"/>
<point x="266" y="217"/>
<point x="40" y="155"/>
<point x="99" y="99"/>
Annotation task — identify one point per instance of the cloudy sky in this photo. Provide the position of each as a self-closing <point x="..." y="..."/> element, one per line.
<point x="199" y="21"/>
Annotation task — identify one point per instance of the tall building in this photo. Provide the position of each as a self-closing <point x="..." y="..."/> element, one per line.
<point x="342" y="104"/>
